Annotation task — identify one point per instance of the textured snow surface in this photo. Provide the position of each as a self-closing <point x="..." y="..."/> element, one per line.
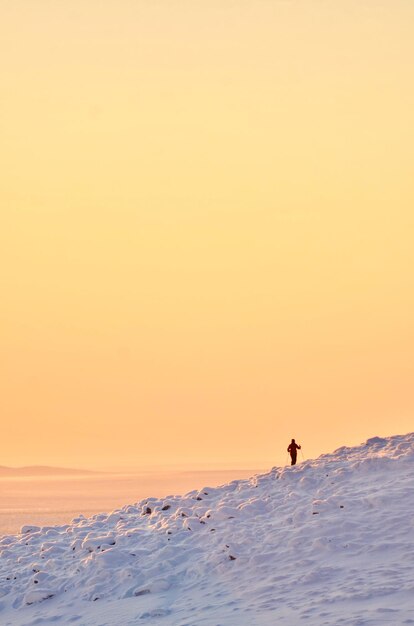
<point x="330" y="541"/>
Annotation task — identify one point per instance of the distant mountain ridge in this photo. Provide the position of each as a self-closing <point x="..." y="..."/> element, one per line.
<point x="41" y="470"/>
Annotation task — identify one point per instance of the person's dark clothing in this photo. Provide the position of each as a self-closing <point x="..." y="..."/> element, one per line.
<point x="293" y="451"/>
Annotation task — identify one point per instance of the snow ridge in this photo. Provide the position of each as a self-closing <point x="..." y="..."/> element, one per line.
<point x="328" y="541"/>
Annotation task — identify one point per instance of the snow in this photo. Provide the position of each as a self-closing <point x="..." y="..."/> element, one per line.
<point x="328" y="541"/>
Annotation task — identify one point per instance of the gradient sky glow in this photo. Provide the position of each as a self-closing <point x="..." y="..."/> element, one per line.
<point x="207" y="229"/>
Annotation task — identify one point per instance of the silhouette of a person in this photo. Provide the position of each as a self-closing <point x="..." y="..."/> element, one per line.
<point x="293" y="451"/>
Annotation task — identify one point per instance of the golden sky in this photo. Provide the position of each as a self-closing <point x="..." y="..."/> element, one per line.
<point x="206" y="242"/>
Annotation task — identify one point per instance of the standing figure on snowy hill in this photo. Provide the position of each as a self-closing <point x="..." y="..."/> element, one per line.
<point x="293" y="451"/>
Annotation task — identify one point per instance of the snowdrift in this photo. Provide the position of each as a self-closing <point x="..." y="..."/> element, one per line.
<point x="329" y="541"/>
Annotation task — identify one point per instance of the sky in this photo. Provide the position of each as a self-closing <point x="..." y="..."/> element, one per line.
<point x="206" y="229"/>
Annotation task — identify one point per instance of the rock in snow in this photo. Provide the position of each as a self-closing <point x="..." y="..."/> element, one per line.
<point x="329" y="541"/>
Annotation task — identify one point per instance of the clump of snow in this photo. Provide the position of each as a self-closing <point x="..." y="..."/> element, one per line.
<point x="328" y="541"/>
<point x="29" y="529"/>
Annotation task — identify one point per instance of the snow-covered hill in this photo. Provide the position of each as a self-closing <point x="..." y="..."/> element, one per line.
<point x="330" y="541"/>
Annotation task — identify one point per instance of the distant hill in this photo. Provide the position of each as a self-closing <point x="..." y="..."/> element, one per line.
<point x="41" y="470"/>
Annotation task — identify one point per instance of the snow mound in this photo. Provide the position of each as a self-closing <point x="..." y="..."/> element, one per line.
<point x="328" y="541"/>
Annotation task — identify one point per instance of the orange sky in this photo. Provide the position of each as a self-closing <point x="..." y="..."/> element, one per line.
<point x="206" y="241"/>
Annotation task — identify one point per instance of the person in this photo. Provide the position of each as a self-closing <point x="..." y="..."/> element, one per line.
<point x="293" y="451"/>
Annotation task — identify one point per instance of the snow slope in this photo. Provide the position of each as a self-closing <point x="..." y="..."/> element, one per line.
<point x="329" y="541"/>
